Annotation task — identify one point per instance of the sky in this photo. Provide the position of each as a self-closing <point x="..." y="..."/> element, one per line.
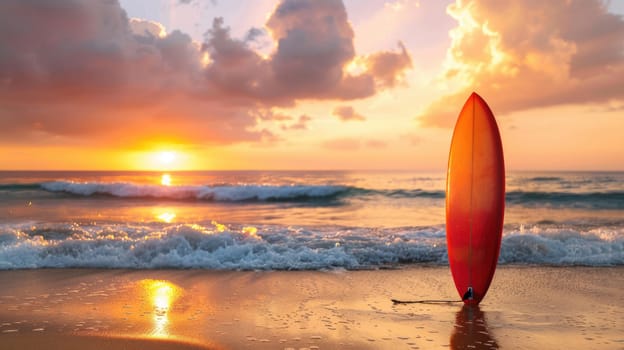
<point x="306" y="84"/>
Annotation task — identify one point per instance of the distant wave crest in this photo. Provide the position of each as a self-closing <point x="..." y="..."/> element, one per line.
<point x="233" y="193"/>
<point x="309" y="192"/>
<point x="586" y="200"/>
<point x="215" y="193"/>
<point x="546" y="179"/>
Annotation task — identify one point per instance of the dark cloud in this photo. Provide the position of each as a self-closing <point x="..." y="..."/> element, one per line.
<point x="347" y="113"/>
<point x="236" y="72"/>
<point x="254" y="33"/>
<point x="315" y="41"/>
<point x="528" y="54"/>
<point x="84" y="70"/>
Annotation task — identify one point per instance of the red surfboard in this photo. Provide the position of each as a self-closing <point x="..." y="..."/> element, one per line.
<point x="475" y="200"/>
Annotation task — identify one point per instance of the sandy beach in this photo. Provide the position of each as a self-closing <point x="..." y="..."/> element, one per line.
<point x="527" y="307"/>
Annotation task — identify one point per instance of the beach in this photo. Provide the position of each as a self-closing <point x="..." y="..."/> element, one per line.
<point x="526" y="307"/>
<point x="300" y="260"/>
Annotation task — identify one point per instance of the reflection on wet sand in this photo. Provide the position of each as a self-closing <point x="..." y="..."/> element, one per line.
<point x="471" y="330"/>
<point x="161" y="294"/>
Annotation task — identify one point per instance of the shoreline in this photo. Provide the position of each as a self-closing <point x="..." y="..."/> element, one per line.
<point x="532" y="307"/>
<point x="94" y="342"/>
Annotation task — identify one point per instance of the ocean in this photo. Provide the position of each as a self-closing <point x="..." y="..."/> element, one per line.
<point x="292" y="220"/>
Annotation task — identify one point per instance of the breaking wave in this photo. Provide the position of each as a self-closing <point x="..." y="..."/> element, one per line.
<point x="216" y="246"/>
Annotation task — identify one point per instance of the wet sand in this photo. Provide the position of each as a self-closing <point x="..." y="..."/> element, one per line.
<point x="526" y="307"/>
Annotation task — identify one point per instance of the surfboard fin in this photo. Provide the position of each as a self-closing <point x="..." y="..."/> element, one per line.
<point x="468" y="295"/>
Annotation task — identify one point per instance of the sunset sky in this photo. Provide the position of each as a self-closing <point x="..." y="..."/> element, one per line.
<point x="268" y="84"/>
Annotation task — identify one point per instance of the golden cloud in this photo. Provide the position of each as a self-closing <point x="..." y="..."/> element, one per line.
<point x="527" y="54"/>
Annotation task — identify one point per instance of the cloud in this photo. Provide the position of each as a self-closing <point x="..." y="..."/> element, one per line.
<point x="347" y="113"/>
<point x="389" y="67"/>
<point x="254" y="33"/>
<point x="147" y="28"/>
<point x="301" y="124"/>
<point x="82" y="70"/>
<point x="270" y="115"/>
<point x="188" y="2"/>
<point x="528" y="54"/>
<point x="315" y="41"/>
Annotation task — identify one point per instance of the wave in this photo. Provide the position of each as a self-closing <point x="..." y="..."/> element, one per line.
<point x="213" y="193"/>
<point x="545" y="179"/>
<point x="217" y="246"/>
<point x="20" y="187"/>
<point x="307" y="193"/>
<point x="589" y="200"/>
<point x="233" y="193"/>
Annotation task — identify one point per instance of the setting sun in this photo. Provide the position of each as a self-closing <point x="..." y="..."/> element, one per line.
<point x="162" y="160"/>
<point x="167" y="157"/>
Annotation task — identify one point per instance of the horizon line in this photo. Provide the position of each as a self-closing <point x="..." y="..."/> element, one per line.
<point x="297" y="170"/>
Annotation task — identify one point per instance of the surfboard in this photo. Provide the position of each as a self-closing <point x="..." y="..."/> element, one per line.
<point x="475" y="200"/>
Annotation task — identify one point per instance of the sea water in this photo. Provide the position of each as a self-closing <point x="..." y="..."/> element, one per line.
<point x="292" y="219"/>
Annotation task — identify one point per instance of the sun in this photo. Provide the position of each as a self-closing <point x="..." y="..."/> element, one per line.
<point x="166" y="157"/>
<point x="163" y="159"/>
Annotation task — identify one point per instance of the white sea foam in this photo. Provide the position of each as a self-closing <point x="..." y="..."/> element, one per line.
<point x="564" y="246"/>
<point x="217" y="193"/>
<point x="146" y="246"/>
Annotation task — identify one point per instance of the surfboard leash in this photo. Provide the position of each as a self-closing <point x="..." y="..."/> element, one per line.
<point x="395" y="301"/>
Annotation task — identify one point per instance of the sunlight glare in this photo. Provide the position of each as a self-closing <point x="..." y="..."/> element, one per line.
<point x="251" y="231"/>
<point x="219" y="227"/>
<point x="166" y="217"/>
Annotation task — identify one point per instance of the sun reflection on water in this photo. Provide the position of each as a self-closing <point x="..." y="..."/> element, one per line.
<point x="166" y="216"/>
<point x="165" y="180"/>
<point x="162" y="295"/>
